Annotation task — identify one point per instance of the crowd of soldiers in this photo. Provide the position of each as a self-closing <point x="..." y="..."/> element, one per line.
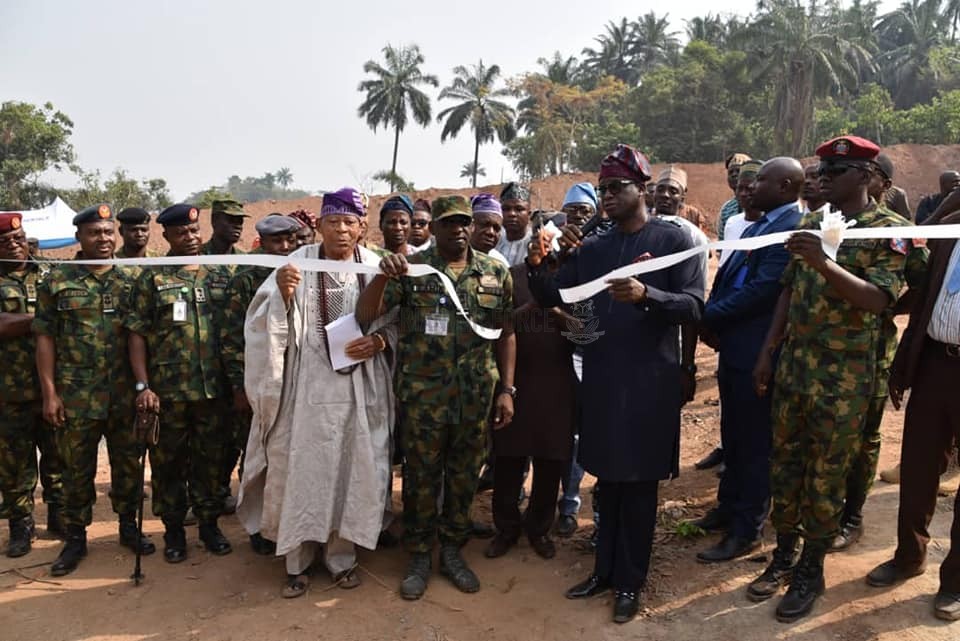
<point x="808" y="355"/>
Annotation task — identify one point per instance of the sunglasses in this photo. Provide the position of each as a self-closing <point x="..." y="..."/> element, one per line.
<point x="835" y="169"/>
<point x="615" y="186"/>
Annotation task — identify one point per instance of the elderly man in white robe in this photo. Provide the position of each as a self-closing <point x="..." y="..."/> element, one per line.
<point x="318" y="457"/>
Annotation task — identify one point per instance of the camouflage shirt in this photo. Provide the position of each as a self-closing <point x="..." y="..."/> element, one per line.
<point x="134" y="269"/>
<point x="18" y="295"/>
<point x="240" y="290"/>
<point x="207" y="250"/>
<point x="449" y="378"/>
<point x="184" y="355"/>
<point x="832" y="347"/>
<point x="83" y="311"/>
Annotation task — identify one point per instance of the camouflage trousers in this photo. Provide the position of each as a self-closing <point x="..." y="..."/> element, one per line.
<point x="863" y="469"/>
<point x="22" y="432"/>
<point x="815" y="440"/>
<point x="439" y="458"/>
<point x="234" y="440"/>
<point x="79" y="441"/>
<point x="189" y="451"/>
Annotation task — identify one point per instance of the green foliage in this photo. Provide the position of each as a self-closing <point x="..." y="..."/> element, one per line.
<point x="32" y="140"/>
<point x="204" y="199"/>
<point x="269" y="186"/>
<point x="687" y="530"/>
<point x="469" y="169"/>
<point x="120" y="190"/>
<point x="395" y="180"/>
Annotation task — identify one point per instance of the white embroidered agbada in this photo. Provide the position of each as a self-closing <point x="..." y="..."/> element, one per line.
<point x="318" y="457"/>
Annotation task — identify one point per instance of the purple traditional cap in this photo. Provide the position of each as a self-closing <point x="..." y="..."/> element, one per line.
<point x="345" y="200"/>
<point x="486" y="204"/>
<point x="626" y="162"/>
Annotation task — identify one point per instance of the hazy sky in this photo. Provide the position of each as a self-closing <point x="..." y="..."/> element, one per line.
<point x="193" y="91"/>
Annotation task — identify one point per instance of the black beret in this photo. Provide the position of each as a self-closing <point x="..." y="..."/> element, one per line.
<point x="134" y="216"/>
<point x="179" y="215"/>
<point x="93" y="214"/>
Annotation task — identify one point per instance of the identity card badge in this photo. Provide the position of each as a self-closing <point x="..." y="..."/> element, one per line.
<point x="436" y="323"/>
<point x="180" y="308"/>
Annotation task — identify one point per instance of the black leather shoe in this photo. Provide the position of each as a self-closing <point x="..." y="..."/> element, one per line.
<point x="850" y="531"/>
<point x="729" y="548"/>
<point x="543" y="546"/>
<point x="22" y="531"/>
<point x="214" y="540"/>
<point x="387" y="539"/>
<point x="888" y="574"/>
<point x="456" y="569"/>
<point x="779" y="572"/>
<point x="262" y="546"/>
<point x="174" y="543"/>
<point x="806" y="585"/>
<point x="625" y="606"/>
<point x="480" y="530"/>
<point x="567" y="525"/>
<point x="712" y="459"/>
<point x="586" y="589"/>
<point x="499" y="546"/>
<point x="947" y="606"/>
<point x="73" y="551"/>
<point x="713" y="521"/>
<point x="130" y="536"/>
<point x="414" y="584"/>
<point x="55" y="527"/>
<point x="229" y="505"/>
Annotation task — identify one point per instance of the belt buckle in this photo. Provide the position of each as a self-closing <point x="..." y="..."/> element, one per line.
<point x="952" y="350"/>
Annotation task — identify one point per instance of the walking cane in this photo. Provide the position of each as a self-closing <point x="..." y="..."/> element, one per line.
<point x="146" y="428"/>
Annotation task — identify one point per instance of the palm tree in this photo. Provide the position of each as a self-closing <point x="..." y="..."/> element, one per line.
<point x="613" y="57"/>
<point x="709" y="28"/>
<point x="908" y="36"/>
<point x="393" y="90"/>
<point x="469" y="169"/>
<point x="284" y="177"/>
<point x="803" y="56"/>
<point x="474" y="88"/>
<point x="563" y="70"/>
<point x="652" y="42"/>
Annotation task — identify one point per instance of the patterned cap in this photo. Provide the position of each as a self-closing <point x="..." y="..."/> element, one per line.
<point x="345" y="200"/>
<point x="514" y="191"/>
<point x="422" y="204"/>
<point x="93" y="214"/>
<point x="449" y="206"/>
<point x="626" y="162"/>
<point x="275" y="224"/>
<point x="228" y="206"/>
<point x="736" y="160"/>
<point x="486" y="204"/>
<point x="306" y="218"/>
<point x="10" y="221"/>
<point x="848" y="148"/>
<point x="134" y="216"/>
<point x="179" y="215"/>
<point x="674" y="175"/>
<point x="400" y="202"/>
<point x="750" y="168"/>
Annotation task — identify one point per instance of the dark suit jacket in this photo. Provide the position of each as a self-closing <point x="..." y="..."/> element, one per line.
<point x="741" y="316"/>
<point x="911" y="344"/>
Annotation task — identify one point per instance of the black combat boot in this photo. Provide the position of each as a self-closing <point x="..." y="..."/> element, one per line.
<point x="806" y="586"/>
<point x="213" y="539"/>
<point x="418" y="573"/>
<point x="779" y="572"/>
<point x="130" y="536"/>
<point x="73" y="551"/>
<point x="22" y="532"/>
<point x="851" y="528"/>
<point x="174" y="540"/>
<point x="55" y="527"/>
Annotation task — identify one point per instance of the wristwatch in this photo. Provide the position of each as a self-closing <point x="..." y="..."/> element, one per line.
<point x="141" y="386"/>
<point x="509" y="389"/>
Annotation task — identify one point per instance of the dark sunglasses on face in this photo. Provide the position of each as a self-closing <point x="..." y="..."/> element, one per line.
<point x="834" y="169"/>
<point x="614" y="186"/>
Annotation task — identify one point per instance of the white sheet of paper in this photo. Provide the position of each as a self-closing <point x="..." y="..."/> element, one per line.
<point x="553" y="229"/>
<point x="339" y="333"/>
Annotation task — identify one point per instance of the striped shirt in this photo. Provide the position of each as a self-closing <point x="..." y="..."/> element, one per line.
<point x="945" y="321"/>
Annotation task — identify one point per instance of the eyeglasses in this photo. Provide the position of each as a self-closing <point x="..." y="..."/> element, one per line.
<point x="835" y="169"/>
<point x="615" y="186"/>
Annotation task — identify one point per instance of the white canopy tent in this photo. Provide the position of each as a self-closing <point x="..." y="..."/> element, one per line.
<point x="52" y="225"/>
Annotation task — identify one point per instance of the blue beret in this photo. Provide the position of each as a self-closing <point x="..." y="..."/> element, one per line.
<point x="134" y="216"/>
<point x="93" y="214"/>
<point x="179" y="215"/>
<point x="400" y="202"/>
<point x="277" y="224"/>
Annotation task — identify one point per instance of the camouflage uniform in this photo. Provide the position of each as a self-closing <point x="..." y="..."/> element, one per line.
<point x="83" y="311"/>
<point x="185" y="372"/>
<point x="864" y="467"/>
<point x="134" y="269"/>
<point x="22" y="429"/>
<point x="206" y="249"/>
<point x="445" y="387"/>
<point x="825" y="380"/>
<point x="240" y="290"/>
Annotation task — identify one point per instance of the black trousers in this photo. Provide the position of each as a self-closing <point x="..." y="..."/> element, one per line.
<point x="542" y="505"/>
<point x="628" y="517"/>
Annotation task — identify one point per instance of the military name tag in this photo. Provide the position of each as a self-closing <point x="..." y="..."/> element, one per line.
<point x="107" y="303"/>
<point x="31" y="293"/>
<point x="199" y="294"/>
<point x="436" y="324"/>
<point x="179" y="311"/>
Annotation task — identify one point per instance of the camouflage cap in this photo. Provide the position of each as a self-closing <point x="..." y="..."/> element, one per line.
<point x="449" y="206"/>
<point x="228" y="206"/>
<point x="93" y="214"/>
